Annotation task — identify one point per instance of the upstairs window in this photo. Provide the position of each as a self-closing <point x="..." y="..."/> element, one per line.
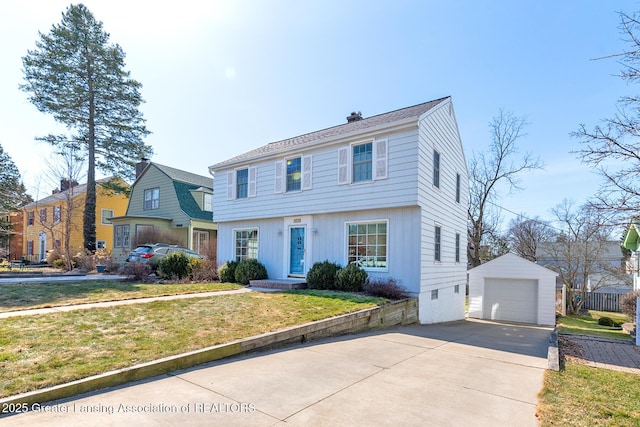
<point x="43" y="215"/>
<point x="457" y="188"/>
<point x="294" y="174"/>
<point x="436" y="169"/>
<point x="208" y="202"/>
<point x="151" y="199"/>
<point x="57" y="214"/>
<point x="242" y="183"/>
<point x="105" y="216"/>
<point x="362" y="162"/>
<point x="30" y="217"/>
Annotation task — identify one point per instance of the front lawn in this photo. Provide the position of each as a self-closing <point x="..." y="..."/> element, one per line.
<point x="581" y="395"/>
<point x="588" y="325"/>
<point x="44" y="350"/>
<point x="40" y="295"/>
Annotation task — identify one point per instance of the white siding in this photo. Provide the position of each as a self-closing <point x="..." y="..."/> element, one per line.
<point x="322" y="194"/>
<point x="438" y="130"/>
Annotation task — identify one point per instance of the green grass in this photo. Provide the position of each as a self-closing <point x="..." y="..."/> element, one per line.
<point x="26" y="296"/>
<point x="44" y="350"/>
<point x="583" y="396"/>
<point x="588" y="325"/>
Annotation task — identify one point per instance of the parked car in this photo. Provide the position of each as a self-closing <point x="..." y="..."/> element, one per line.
<point x="153" y="253"/>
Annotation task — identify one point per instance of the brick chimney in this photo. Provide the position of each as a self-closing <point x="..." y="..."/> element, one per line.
<point x="141" y="166"/>
<point x="354" y="117"/>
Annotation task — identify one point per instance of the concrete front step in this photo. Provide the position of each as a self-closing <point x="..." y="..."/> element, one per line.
<point x="285" y="284"/>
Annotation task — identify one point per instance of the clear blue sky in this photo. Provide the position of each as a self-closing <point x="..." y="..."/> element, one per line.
<point x="223" y="77"/>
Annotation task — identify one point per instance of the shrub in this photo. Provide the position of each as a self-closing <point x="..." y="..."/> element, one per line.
<point x="250" y="269"/>
<point x="175" y="266"/>
<point x="83" y="260"/>
<point x="203" y="270"/>
<point x="606" y="321"/>
<point x="389" y="288"/>
<point x="137" y="270"/>
<point x="322" y="275"/>
<point x="628" y="304"/>
<point x="59" y="263"/>
<point x="227" y="272"/>
<point x="53" y="256"/>
<point x="352" y="278"/>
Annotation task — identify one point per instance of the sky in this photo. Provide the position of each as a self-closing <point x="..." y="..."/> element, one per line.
<point x="223" y="77"/>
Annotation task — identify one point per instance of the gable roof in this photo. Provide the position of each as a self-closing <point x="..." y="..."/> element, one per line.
<point x="75" y="191"/>
<point x="511" y="258"/>
<point x="355" y="127"/>
<point x="632" y="237"/>
<point x="184" y="176"/>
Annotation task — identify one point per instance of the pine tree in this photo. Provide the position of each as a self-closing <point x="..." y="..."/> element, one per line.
<point x="78" y="76"/>
<point x="12" y="191"/>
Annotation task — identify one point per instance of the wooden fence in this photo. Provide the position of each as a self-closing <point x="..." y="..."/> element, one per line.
<point x="602" y="301"/>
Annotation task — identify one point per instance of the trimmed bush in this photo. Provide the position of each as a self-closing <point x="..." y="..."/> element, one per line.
<point x="352" y="278"/>
<point x="322" y="275"/>
<point x="175" y="266"/>
<point x="227" y="272"/>
<point x="137" y="270"/>
<point x="250" y="269"/>
<point x="628" y="304"/>
<point x="606" y="321"/>
<point x="389" y="288"/>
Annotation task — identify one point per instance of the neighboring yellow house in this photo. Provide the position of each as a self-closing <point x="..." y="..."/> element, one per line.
<point x="44" y="219"/>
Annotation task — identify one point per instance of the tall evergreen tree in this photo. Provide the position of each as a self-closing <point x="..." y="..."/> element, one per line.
<point x="12" y="191"/>
<point x="78" y="76"/>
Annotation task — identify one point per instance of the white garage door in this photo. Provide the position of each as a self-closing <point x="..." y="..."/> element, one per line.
<point x="513" y="300"/>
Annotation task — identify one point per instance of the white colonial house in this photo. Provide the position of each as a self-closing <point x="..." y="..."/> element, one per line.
<point x="388" y="192"/>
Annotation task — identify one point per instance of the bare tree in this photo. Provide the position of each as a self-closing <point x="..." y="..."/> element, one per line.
<point x="613" y="147"/>
<point x="500" y="165"/>
<point x="525" y="234"/>
<point x="580" y="252"/>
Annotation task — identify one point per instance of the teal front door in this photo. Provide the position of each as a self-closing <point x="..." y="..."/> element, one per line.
<point x="296" y="251"/>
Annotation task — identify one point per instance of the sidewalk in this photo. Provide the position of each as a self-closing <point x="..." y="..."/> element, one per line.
<point x="616" y="355"/>
<point x="65" y="308"/>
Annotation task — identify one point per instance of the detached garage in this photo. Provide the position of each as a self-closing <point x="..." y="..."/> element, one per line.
<point x="512" y="289"/>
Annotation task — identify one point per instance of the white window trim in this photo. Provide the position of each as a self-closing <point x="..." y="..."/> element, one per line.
<point x="379" y="161"/>
<point x="346" y="243"/>
<point x="233" y="239"/>
<point x="103" y="217"/>
<point x="439" y="243"/>
<point x="252" y="184"/>
<point x="306" y="171"/>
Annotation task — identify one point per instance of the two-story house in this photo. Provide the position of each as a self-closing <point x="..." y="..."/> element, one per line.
<point x="388" y="192"/>
<point x="44" y="220"/>
<point x="166" y="205"/>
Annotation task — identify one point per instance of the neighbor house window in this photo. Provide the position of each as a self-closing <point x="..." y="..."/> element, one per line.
<point x="57" y="244"/>
<point x="121" y="236"/>
<point x="456" y="289"/>
<point x="242" y="183"/>
<point x="57" y="214"/>
<point x="208" y="202"/>
<point x="294" y="174"/>
<point x="43" y="215"/>
<point x="101" y="244"/>
<point x="367" y="244"/>
<point x="434" y="294"/>
<point x="246" y="242"/>
<point x="457" y="247"/>
<point x="105" y="215"/>
<point x="30" y="217"/>
<point x="436" y="169"/>
<point x="151" y="199"/>
<point x="437" y="242"/>
<point x="362" y="162"/>
<point x="29" y="247"/>
<point x="457" y="188"/>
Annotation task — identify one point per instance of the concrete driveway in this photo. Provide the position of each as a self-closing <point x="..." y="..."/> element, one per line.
<point x="455" y="374"/>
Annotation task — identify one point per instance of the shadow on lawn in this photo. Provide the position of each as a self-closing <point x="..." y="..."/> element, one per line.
<point x="29" y="295"/>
